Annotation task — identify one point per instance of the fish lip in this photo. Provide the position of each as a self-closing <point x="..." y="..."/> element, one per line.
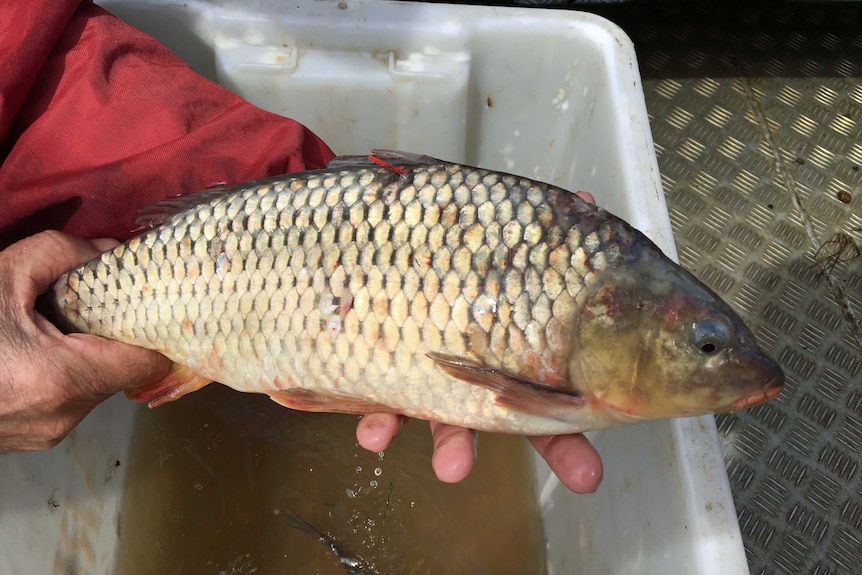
<point x="769" y="391"/>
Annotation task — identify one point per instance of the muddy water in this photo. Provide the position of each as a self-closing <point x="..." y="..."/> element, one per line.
<point x="211" y="474"/>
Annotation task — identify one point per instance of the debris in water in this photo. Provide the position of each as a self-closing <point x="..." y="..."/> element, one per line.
<point x="352" y="565"/>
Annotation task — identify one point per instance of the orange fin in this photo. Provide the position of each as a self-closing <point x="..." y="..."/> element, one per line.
<point x="306" y="400"/>
<point x="180" y="381"/>
<point x="518" y="394"/>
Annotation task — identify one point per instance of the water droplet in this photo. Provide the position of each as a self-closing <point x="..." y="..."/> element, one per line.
<point x="199" y="485"/>
<point x="380" y="456"/>
<point x="377" y="471"/>
<point x="373" y="483"/>
<point x="412" y="504"/>
<point x="276" y="511"/>
<point x="358" y="469"/>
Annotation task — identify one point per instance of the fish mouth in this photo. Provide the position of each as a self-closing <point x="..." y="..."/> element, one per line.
<point x="773" y="388"/>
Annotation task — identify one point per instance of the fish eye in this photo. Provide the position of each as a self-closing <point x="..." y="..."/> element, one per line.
<point x="709" y="336"/>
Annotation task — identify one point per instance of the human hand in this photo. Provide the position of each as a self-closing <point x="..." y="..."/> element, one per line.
<point x="571" y="457"/>
<point x="50" y="381"/>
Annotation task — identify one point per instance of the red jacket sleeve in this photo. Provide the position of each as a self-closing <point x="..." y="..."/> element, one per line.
<point x="97" y="120"/>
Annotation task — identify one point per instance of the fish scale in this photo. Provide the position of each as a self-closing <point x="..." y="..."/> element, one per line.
<point x="421" y="287"/>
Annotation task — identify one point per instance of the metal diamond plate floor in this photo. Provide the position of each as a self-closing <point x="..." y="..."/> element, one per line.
<point x="756" y="112"/>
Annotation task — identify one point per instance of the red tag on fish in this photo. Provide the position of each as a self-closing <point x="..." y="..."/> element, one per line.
<point x="388" y="166"/>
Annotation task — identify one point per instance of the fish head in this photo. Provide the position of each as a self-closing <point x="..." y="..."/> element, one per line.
<point x="651" y="341"/>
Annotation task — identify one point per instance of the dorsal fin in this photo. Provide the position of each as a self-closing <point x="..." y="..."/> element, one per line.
<point x="158" y="213"/>
<point x="155" y="214"/>
<point x="393" y="157"/>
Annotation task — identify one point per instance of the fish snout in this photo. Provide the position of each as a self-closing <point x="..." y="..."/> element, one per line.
<point x="769" y="391"/>
<point x="753" y="369"/>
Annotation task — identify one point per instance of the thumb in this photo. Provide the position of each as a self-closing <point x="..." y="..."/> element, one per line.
<point x="111" y="366"/>
<point x="39" y="260"/>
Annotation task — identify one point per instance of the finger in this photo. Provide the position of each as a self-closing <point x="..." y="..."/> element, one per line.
<point x="103" y="244"/>
<point x="28" y="268"/>
<point x="110" y="366"/>
<point x="573" y="459"/>
<point x="376" y="431"/>
<point x="586" y="196"/>
<point x="454" y="451"/>
<point x="39" y="260"/>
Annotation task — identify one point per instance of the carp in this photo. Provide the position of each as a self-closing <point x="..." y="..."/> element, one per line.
<point x="400" y="283"/>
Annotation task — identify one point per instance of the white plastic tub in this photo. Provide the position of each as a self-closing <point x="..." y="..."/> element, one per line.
<point x="549" y="94"/>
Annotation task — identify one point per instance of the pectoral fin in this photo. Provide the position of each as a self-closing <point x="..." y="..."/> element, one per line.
<point x="180" y="381"/>
<point x="512" y="392"/>
<point x="306" y="400"/>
